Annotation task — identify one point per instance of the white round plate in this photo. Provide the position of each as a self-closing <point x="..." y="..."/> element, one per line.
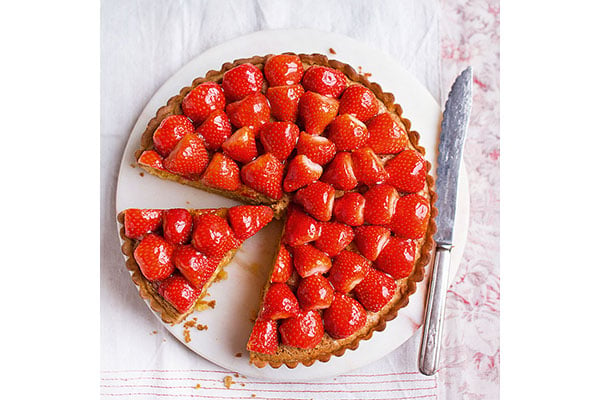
<point x="237" y="297"/>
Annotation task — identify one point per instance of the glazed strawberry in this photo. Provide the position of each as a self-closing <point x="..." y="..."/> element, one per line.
<point x="189" y="157"/>
<point x="154" y="256"/>
<point x="314" y="292"/>
<point x="350" y="209"/>
<point x="252" y="111"/>
<point x="318" y="148"/>
<point x="304" y="331"/>
<point x="169" y="133"/>
<point x="222" y="173"/>
<point x="301" y="171"/>
<point x="247" y="220"/>
<point x="317" y="199"/>
<point x="348" y="133"/>
<point x="340" y="172"/>
<point x="387" y="136"/>
<point x="407" y="171"/>
<point x="411" y="217"/>
<point x="360" y="102"/>
<point x="212" y="235"/>
<point x="316" y="112"/>
<point x="300" y="228"/>
<point x="279" y="303"/>
<point x="241" y="146"/>
<point x="344" y="317"/>
<point x="179" y="292"/>
<point x="370" y="240"/>
<point x="177" y="226"/>
<point x="284" y="101"/>
<point x="279" y="138"/>
<point x="194" y="265"/>
<point x="380" y="204"/>
<point x="368" y="168"/>
<point x="283" y="69"/>
<point x="265" y="175"/>
<point x="308" y="260"/>
<point x="264" y="338"/>
<point x="375" y="291"/>
<point x="139" y="222"/>
<point x="397" y="258"/>
<point x="282" y="270"/>
<point x="334" y="238"/>
<point x="347" y="271"/>
<point x="151" y="158"/>
<point x="202" y="100"/>
<point x="242" y="81"/>
<point x="215" y="130"/>
<point x="324" y="80"/>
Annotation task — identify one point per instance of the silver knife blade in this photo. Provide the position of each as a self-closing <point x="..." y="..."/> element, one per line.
<point x="454" y="128"/>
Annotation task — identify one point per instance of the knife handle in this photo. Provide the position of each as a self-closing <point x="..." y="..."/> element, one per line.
<point x="434" y="317"/>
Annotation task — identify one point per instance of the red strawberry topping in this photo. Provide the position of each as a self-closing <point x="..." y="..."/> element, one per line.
<point x="282" y="270"/>
<point x="301" y="171"/>
<point x="316" y="112"/>
<point x="215" y="130"/>
<point x="308" y="260"/>
<point x="300" y="228"/>
<point x="350" y="209"/>
<point x="263" y="338"/>
<point x="151" y="158"/>
<point x="360" y="102"/>
<point x="304" y="331"/>
<point x="279" y="138"/>
<point x="375" y="291"/>
<point x="222" y="173"/>
<point x="318" y="148"/>
<point x="179" y="292"/>
<point x="314" y="292"/>
<point x="265" y="175"/>
<point x="154" y="256"/>
<point x="397" y="258"/>
<point x="347" y="271"/>
<point x="194" y="265"/>
<point x="380" y="204"/>
<point x="411" y="217"/>
<point x="241" y="146"/>
<point x="344" y="317"/>
<point x="139" y="222"/>
<point x="252" y="111"/>
<point x="387" y="136"/>
<point x="371" y="239"/>
<point x="368" y="168"/>
<point x="348" y="133"/>
<point x="334" y="238"/>
<point x="284" y="101"/>
<point x="407" y="171"/>
<point x="169" y="133"/>
<point x="340" y="172"/>
<point x="189" y="157"/>
<point x="242" y="81"/>
<point x="247" y="220"/>
<point x="317" y="199"/>
<point x="324" y="80"/>
<point x="177" y="226"/>
<point x="283" y="69"/>
<point x="213" y="236"/>
<point x="203" y="100"/>
<point x="279" y="303"/>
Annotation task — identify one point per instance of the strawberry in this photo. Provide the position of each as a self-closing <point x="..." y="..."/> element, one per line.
<point x="294" y="280"/>
<point x="169" y="133"/>
<point x="139" y="222"/>
<point x="213" y="236"/>
<point x="282" y="270"/>
<point x="325" y="81"/>
<point x="279" y="303"/>
<point x="247" y="220"/>
<point x="397" y="258"/>
<point x="375" y="291"/>
<point x="348" y="133"/>
<point x="350" y="209"/>
<point x="264" y="338"/>
<point x="203" y="100"/>
<point x="344" y="317"/>
<point x="318" y="148"/>
<point x="334" y="238"/>
<point x="283" y="69"/>
<point x="317" y="199"/>
<point x="407" y="171"/>
<point x="252" y="111"/>
<point x="279" y="138"/>
<point x="308" y="260"/>
<point x="380" y="204"/>
<point x="241" y="146"/>
<point x="194" y="265"/>
<point x="360" y="102"/>
<point x="242" y="81"/>
<point x="300" y="228"/>
<point x="387" y="136"/>
<point x="314" y="292"/>
<point x="151" y="158"/>
<point x="304" y="331"/>
<point x="316" y="112"/>
<point x="265" y="175"/>
<point x="340" y="172"/>
<point x="411" y="217"/>
<point x="177" y="226"/>
<point x="215" y="130"/>
<point x="368" y="168"/>
<point x="371" y="239"/>
<point x="301" y="171"/>
<point x="154" y="256"/>
<point x="222" y="173"/>
<point x="189" y="157"/>
<point x="347" y="271"/>
<point x="284" y="101"/>
<point x="179" y="292"/>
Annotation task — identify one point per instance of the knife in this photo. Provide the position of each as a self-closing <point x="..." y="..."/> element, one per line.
<point x="454" y="129"/>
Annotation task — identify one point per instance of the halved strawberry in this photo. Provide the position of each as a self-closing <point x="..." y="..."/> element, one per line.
<point x="215" y="130"/>
<point x="222" y="173"/>
<point x="265" y="175"/>
<point x="242" y="81"/>
<point x="317" y="199"/>
<point x="350" y="209"/>
<point x="284" y="101"/>
<point x="347" y="271"/>
<point x="408" y="171"/>
<point x="279" y="303"/>
<point x="282" y="270"/>
<point x="203" y="100"/>
<point x="370" y="240"/>
<point x="189" y="157"/>
<point x="387" y="136"/>
<point x="334" y="238"/>
<point x="151" y="158"/>
<point x="177" y="226"/>
<point x="304" y="331"/>
<point x="397" y="258"/>
<point x="252" y="111"/>
<point x="213" y="236"/>
<point x="301" y="171"/>
<point x="308" y="260"/>
<point x="318" y="148"/>
<point x="376" y="290"/>
<point x="411" y="217"/>
<point x="300" y="228"/>
<point x="195" y="265"/>
<point x="283" y="69"/>
<point x="340" y="172"/>
<point x="344" y="317"/>
<point x="247" y="220"/>
<point x="154" y="257"/>
<point x="279" y="138"/>
<point x="314" y="292"/>
<point x="169" y="133"/>
<point x="360" y="102"/>
<point x="324" y="80"/>
<point x="179" y="292"/>
<point x="368" y="168"/>
<point x="241" y="146"/>
<point x="316" y="112"/>
<point x="380" y="204"/>
<point x="264" y="338"/>
<point x="139" y="222"/>
<point x="348" y="133"/>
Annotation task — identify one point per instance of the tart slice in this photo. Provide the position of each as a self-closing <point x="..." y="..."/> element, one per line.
<point x="176" y="254"/>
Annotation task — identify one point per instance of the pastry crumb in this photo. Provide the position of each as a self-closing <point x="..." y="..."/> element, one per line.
<point x="253" y="395"/>
<point x="190" y="324"/>
<point x="203" y="305"/>
<point x="228" y="381"/>
<point x="238" y="355"/>
<point x="186" y="336"/>
<point x="132" y="165"/>
<point x="187" y="202"/>
<point x="142" y="174"/>
<point x="222" y="275"/>
<point x="197" y="386"/>
<point x="201" y="327"/>
<point x="236" y="375"/>
<point x="332" y="51"/>
<point x="153" y="332"/>
<point x="164" y="340"/>
<point x="243" y="384"/>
